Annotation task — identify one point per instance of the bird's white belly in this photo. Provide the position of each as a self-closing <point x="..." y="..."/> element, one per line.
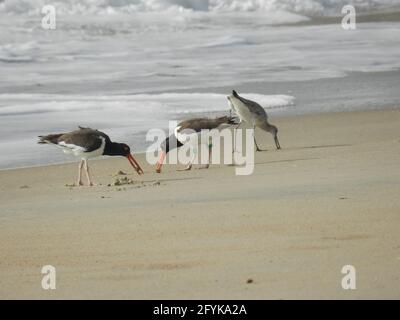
<point x="96" y="153"/>
<point x="80" y="152"/>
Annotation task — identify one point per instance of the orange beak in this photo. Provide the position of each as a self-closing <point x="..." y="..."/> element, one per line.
<point x="160" y="161"/>
<point x="134" y="164"/>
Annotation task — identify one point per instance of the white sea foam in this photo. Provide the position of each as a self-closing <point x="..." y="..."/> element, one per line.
<point x="311" y="7"/>
<point x="121" y="106"/>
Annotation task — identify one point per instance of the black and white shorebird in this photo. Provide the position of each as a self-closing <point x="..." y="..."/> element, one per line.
<point x="252" y="113"/>
<point x="182" y="136"/>
<point x="86" y="143"/>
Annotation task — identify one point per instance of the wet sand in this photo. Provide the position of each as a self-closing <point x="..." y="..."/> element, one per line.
<point x="329" y="198"/>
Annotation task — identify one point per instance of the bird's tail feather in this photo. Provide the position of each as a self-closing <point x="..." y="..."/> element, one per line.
<point x="50" y="138"/>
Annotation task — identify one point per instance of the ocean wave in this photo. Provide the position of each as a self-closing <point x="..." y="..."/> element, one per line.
<point x="307" y="7"/>
<point x="163" y="105"/>
<point x="18" y="52"/>
<point x="228" y="41"/>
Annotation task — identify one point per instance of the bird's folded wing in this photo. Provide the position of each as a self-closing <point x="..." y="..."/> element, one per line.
<point x="85" y="142"/>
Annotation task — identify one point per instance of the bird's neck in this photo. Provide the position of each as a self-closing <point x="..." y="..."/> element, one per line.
<point x="111" y="148"/>
<point x="171" y="143"/>
<point x="268" y="127"/>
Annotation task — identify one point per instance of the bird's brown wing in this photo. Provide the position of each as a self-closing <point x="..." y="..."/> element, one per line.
<point x="198" y="124"/>
<point x="86" y="138"/>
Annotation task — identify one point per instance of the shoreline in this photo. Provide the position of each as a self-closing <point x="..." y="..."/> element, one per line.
<point x="275" y="116"/>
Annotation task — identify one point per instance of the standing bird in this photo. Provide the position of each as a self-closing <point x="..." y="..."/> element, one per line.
<point x="182" y="135"/>
<point x="87" y="143"/>
<point x="252" y="113"/>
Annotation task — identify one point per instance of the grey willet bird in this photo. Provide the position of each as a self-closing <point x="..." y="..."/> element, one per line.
<point x="182" y="135"/>
<point x="86" y="143"/>
<point x="252" y="113"/>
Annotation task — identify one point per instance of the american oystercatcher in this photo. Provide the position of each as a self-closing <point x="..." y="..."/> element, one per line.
<point x="182" y="134"/>
<point x="252" y="113"/>
<point x="87" y="143"/>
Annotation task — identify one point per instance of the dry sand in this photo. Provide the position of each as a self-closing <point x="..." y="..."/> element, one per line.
<point x="329" y="198"/>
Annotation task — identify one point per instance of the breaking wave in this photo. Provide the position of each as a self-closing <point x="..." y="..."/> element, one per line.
<point x="138" y="104"/>
<point x="306" y="7"/>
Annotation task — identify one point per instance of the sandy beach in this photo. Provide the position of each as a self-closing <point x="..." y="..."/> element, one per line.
<point x="329" y="198"/>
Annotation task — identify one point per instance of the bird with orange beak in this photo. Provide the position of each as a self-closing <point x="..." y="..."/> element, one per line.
<point x="182" y="135"/>
<point x="87" y="143"/>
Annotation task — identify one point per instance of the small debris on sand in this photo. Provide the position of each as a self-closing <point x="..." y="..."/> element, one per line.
<point x="249" y="281"/>
<point x="123" y="181"/>
<point x="70" y="185"/>
<point x="136" y="184"/>
<point x="121" y="173"/>
<point x="24" y="187"/>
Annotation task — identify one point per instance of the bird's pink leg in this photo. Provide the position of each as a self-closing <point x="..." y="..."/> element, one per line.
<point x="209" y="157"/>
<point x="189" y="166"/>
<point x="80" y="173"/>
<point x="87" y="173"/>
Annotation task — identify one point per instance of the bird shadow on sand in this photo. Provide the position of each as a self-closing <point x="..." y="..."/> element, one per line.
<point x="320" y="146"/>
<point x="287" y="160"/>
<point x="306" y="147"/>
<point x="175" y="179"/>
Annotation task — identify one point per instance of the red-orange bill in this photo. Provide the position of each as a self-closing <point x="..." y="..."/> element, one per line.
<point x="134" y="164"/>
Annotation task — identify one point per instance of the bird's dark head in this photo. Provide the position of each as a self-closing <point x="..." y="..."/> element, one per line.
<point x="122" y="149"/>
<point x="166" y="146"/>
<point x="170" y="143"/>
<point x="274" y="132"/>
